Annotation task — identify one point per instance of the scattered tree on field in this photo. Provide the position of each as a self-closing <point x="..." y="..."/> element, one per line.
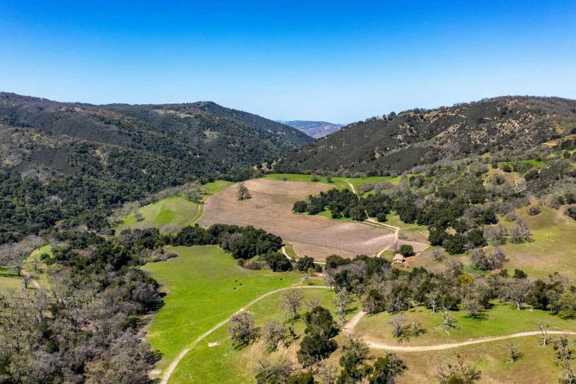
<point x="448" y="322"/>
<point x="273" y="334"/>
<point x="520" y="233"/>
<point x="352" y="361"/>
<point x="457" y="371"/>
<point x="243" y="192"/>
<point x="291" y="303"/>
<point x="273" y="372"/>
<point x="563" y="352"/>
<point x="514" y="353"/>
<point x="398" y="324"/>
<point x="342" y="300"/>
<point x="544" y="335"/>
<point x="242" y="330"/>
<point x="406" y="250"/>
<point x="387" y="369"/>
<point x="317" y="345"/>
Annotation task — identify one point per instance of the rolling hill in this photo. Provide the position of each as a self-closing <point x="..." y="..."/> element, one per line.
<point x="398" y="142"/>
<point x="62" y="160"/>
<point x="316" y="129"/>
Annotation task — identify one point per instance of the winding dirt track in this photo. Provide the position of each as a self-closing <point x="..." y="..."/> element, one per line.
<point x="172" y="367"/>
<point x="441" y="347"/>
<point x="348" y="329"/>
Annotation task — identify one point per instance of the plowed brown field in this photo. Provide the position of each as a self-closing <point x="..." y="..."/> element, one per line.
<point x="270" y="208"/>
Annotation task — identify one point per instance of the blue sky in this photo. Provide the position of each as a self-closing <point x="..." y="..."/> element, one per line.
<point x="330" y="60"/>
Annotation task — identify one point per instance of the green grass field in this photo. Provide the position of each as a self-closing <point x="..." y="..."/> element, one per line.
<point x="216" y="361"/>
<point x="552" y="249"/>
<point x="171" y="213"/>
<point x="167" y="214"/>
<point x="204" y="286"/>
<point x="536" y="366"/>
<point x="36" y="267"/>
<point x="500" y="320"/>
<point x="338" y="182"/>
<point x="291" y="251"/>
<point x="215" y="187"/>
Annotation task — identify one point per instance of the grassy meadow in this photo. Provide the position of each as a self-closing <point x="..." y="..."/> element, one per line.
<point x="215" y="360"/>
<point x="171" y="213"/>
<point x="204" y="286"/>
<point x="536" y="366"/>
<point x="552" y="249"/>
<point x="337" y="181"/>
<point x="500" y="320"/>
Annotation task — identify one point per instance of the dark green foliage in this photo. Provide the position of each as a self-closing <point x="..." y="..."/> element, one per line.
<point x="241" y="242"/>
<point x="300" y="207"/>
<point x="352" y="362"/>
<point x="94" y="158"/>
<point x="393" y="144"/>
<point x="319" y="322"/>
<point x="301" y="378"/>
<point x="335" y="261"/>
<point x="571" y="212"/>
<point x="386" y="369"/>
<point x="454" y="244"/>
<point x="475" y="238"/>
<point x="317" y="344"/>
<point x="305" y="264"/>
<point x="406" y="250"/>
<point x="278" y="262"/>
<point x="314" y="349"/>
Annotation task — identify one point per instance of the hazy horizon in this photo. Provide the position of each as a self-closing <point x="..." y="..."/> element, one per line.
<point x="325" y="61"/>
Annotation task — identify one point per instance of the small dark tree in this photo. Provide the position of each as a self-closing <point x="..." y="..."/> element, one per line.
<point x="317" y="344"/>
<point x="387" y="369"/>
<point x="406" y="250"/>
<point x="300" y="207"/>
<point x="314" y="349"/>
<point x="354" y="354"/>
<point x="243" y="192"/>
<point x="305" y="264"/>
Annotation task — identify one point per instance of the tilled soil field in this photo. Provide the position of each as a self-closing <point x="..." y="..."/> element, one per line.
<point x="270" y="208"/>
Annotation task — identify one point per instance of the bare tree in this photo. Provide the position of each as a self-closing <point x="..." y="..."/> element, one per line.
<point x="292" y="302"/>
<point x="448" y="322"/>
<point x="516" y="291"/>
<point x="563" y="352"/>
<point x="342" y="300"/>
<point x="544" y="335"/>
<point x="458" y="371"/>
<point x="472" y="305"/>
<point x="273" y="334"/>
<point x="242" y="330"/>
<point x="398" y="323"/>
<point x="520" y="233"/>
<point x="273" y="372"/>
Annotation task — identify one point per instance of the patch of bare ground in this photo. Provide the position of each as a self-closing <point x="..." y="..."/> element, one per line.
<point x="270" y="208"/>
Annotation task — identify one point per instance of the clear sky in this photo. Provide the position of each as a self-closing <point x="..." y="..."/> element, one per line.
<point x="332" y="60"/>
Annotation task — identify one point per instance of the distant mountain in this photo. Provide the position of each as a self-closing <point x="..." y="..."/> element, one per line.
<point x="398" y="142"/>
<point x="316" y="129"/>
<point x="82" y="156"/>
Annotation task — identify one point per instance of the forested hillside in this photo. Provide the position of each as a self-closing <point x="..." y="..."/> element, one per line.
<point x="398" y="142"/>
<point x="75" y="161"/>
